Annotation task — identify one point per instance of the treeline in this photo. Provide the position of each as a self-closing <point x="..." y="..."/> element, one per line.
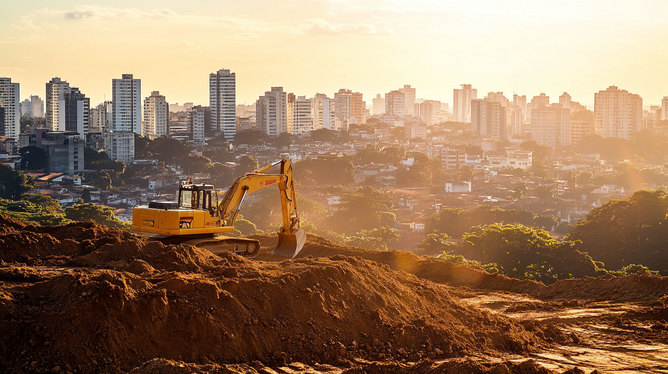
<point x="620" y="237"/>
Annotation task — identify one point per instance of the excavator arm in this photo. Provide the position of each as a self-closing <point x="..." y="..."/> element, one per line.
<point x="291" y="238"/>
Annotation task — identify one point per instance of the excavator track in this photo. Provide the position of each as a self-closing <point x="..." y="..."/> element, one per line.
<point x="217" y="244"/>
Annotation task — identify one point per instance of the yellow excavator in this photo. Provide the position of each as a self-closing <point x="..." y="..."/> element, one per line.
<point x="197" y="217"/>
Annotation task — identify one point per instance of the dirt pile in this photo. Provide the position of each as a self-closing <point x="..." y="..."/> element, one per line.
<point x="93" y="299"/>
<point x="639" y="286"/>
<point x="426" y="366"/>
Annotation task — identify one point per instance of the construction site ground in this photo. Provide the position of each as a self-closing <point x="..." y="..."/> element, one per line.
<point x="83" y="298"/>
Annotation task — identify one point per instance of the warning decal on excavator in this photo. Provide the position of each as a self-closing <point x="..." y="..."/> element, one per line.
<point x="184" y="222"/>
<point x="268" y="182"/>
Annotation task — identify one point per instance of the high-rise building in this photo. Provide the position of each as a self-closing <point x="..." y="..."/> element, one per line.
<point x="26" y="108"/>
<point x="498" y="97"/>
<point x="462" y="103"/>
<point x="156" y="116"/>
<point x="664" y="108"/>
<point x="99" y="119"/>
<point x="395" y="103"/>
<point x="126" y="111"/>
<point x="521" y="102"/>
<point x="582" y="125"/>
<point x="565" y="100"/>
<point x="223" y="101"/>
<point x="323" y="112"/>
<point x="271" y="112"/>
<point x="55" y="104"/>
<point x="537" y="102"/>
<point x="77" y="109"/>
<point x="409" y="100"/>
<point x="378" y="105"/>
<point x="10" y="116"/>
<point x="200" y="120"/>
<point x="617" y="113"/>
<point x="37" y="106"/>
<point x="350" y="106"/>
<point x="426" y="110"/>
<point x="488" y="119"/>
<point x="67" y="109"/>
<point x="300" y="120"/>
<point x="120" y="146"/>
<point x="551" y="125"/>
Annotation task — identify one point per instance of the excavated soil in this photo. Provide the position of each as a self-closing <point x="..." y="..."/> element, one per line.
<point x="83" y="298"/>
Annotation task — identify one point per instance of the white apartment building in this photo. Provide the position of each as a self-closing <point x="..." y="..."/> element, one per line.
<point x="349" y="107"/>
<point x="10" y="116"/>
<point x="99" y="119"/>
<point x="537" y="102"/>
<point x="37" y="106"/>
<point x="488" y="119"/>
<point x="120" y="146"/>
<point x="322" y="112"/>
<point x="378" y="105"/>
<point x="300" y="116"/>
<point x="409" y="100"/>
<point x="426" y="110"/>
<point x="617" y="113"/>
<point x="664" y="108"/>
<point x="395" y="103"/>
<point x="156" y="116"/>
<point x="55" y="104"/>
<point x="223" y="101"/>
<point x="551" y="125"/>
<point x="461" y="104"/>
<point x="271" y="112"/>
<point x="198" y="120"/>
<point x="126" y="111"/>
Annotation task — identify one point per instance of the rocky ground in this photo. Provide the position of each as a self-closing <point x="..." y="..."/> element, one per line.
<point x="83" y="298"/>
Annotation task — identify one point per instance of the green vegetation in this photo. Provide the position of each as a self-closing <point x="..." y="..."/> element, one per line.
<point x="629" y="231"/>
<point x="101" y="214"/>
<point x="13" y="183"/>
<point x="325" y="170"/>
<point x="455" y="222"/>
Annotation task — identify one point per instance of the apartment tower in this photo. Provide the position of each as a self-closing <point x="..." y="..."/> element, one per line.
<point x="223" y="101"/>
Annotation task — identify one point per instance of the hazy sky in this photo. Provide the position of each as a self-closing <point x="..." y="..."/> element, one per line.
<point x="309" y="46"/>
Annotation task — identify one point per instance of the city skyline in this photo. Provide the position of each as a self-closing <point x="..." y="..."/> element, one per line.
<point x="365" y="46"/>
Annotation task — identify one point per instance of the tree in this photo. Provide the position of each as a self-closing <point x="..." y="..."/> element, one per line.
<point x="323" y="135"/>
<point x="92" y="158"/>
<point x="629" y="231"/>
<point x="45" y="203"/>
<point x="169" y="150"/>
<point x="251" y="137"/>
<point x="13" y="183"/>
<point x="436" y="243"/>
<point x="540" y="151"/>
<point x="325" y="170"/>
<point x="526" y="253"/>
<point x="143" y="147"/>
<point x="195" y="164"/>
<point x="359" y="210"/>
<point x="283" y="139"/>
<point x="103" y="215"/>
<point x="34" y="158"/>
<point x="246" y="165"/>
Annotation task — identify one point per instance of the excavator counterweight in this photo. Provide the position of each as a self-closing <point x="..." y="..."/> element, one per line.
<point x="197" y="216"/>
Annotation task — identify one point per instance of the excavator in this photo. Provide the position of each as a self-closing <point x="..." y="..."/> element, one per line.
<point x="197" y="217"/>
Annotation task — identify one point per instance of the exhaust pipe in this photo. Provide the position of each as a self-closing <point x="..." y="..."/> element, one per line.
<point x="290" y="243"/>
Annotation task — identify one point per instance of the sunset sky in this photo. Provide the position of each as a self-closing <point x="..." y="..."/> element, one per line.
<point x="308" y="46"/>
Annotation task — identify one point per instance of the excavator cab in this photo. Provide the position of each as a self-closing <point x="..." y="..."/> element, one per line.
<point x="198" y="197"/>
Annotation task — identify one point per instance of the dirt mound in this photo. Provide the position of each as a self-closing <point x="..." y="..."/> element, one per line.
<point x="639" y="286"/>
<point x="308" y="310"/>
<point x="456" y="366"/>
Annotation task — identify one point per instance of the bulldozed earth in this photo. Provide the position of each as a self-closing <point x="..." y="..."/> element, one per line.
<point x="83" y="298"/>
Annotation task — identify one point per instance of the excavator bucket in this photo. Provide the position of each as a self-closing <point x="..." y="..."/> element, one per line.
<point x="290" y="243"/>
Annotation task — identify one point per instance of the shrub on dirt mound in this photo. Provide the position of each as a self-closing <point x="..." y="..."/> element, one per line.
<point x="306" y="310"/>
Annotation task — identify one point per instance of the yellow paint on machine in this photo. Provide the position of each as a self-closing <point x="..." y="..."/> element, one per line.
<point x="176" y="222"/>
